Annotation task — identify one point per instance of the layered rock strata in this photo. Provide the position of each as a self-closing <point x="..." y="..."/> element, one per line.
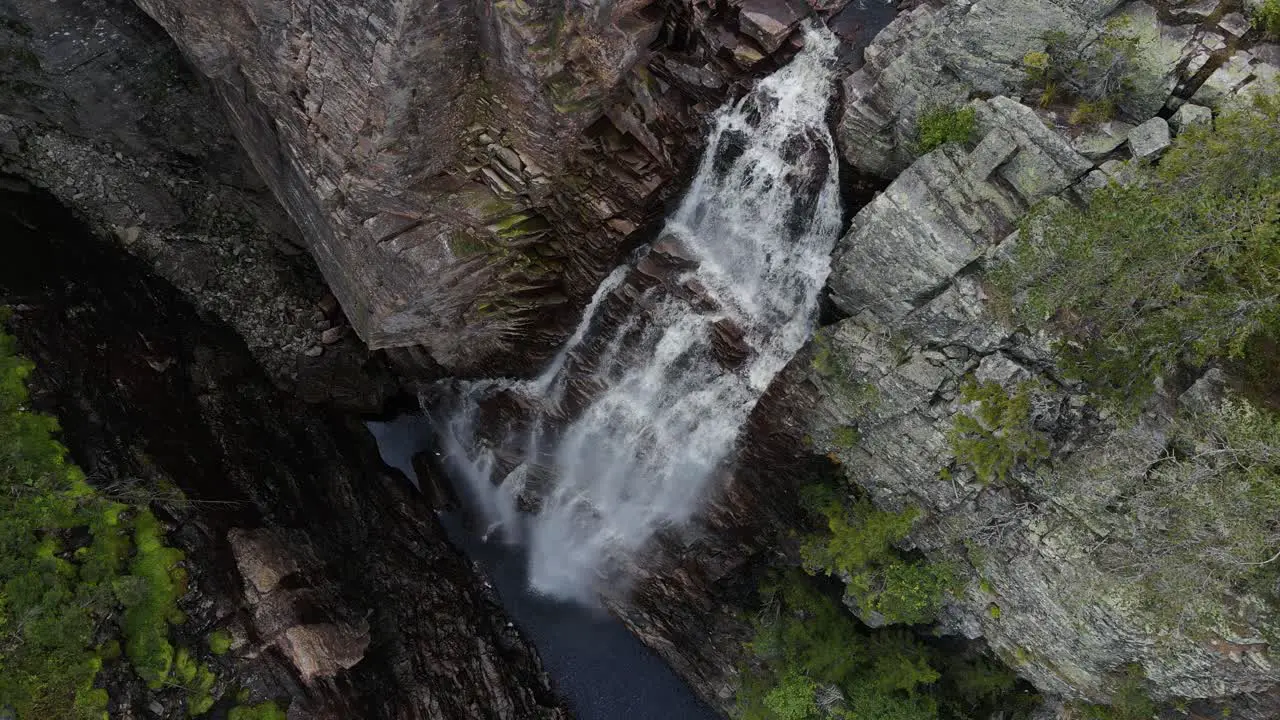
<point x="907" y="278"/>
<point x="98" y="107"/>
<point x="465" y="173"/>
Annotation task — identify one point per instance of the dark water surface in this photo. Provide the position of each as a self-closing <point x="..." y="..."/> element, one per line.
<point x="601" y="670"/>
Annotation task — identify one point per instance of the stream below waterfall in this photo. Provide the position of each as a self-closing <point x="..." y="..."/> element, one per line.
<point x="602" y="671"/>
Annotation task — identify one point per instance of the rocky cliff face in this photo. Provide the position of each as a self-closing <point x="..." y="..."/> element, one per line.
<point x="98" y="108"/>
<point x="336" y="585"/>
<point x="465" y="173"/>
<point x="907" y="279"/>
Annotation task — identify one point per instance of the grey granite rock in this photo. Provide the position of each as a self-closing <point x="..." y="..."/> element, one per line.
<point x="1099" y="141"/>
<point x="1190" y="115"/>
<point x="1246" y="74"/>
<point x="919" y="323"/>
<point x="1149" y="139"/>
<point x="933" y="57"/>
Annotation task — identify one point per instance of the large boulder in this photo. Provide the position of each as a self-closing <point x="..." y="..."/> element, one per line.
<point x="905" y="247"/>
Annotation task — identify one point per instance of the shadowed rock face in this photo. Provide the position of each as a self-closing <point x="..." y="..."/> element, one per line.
<point x="98" y="108"/>
<point x="342" y="595"/>
<point x="465" y="172"/>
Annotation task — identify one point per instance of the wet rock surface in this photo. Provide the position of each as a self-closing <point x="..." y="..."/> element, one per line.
<point x="336" y="583"/>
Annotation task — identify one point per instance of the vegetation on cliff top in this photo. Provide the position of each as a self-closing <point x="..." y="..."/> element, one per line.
<point x="79" y="575"/>
<point x="1150" y="284"/>
<point x="814" y="661"/>
<point x="1093" y="77"/>
<point x="1267" y="17"/>
<point x="1178" y="269"/>
<point x="940" y="126"/>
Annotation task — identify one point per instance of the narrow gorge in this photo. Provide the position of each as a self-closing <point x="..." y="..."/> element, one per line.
<point x="763" y="359"/>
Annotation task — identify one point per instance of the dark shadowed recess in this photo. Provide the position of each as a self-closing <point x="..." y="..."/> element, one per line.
<point x="149" y="393"/>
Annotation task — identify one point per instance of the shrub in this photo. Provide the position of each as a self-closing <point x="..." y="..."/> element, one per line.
<point x="815" y="662"/>
<point x="998" y="435"/>
<point x="939" y="126"/>
<point x="903" y="591"/>
<point x="859" y="548"/>
<point x="1129" y="701"/>
<point x="63" y="550"/>
<point x="860" y="537"/>
<point x="793" y="698"/>
<point x="1204" y="521"/>
<point x="1180" y="268"/>
<point x="219" y="642"/>
<point x="1267" y="17"/>
<point x="1095" y="74"/>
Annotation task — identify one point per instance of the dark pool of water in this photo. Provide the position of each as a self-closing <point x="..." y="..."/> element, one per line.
<point x="601" y="670"/>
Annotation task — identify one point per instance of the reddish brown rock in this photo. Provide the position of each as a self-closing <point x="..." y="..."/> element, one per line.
<point x="464" y="171"/>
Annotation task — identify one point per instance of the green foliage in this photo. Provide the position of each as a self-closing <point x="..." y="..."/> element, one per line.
<point x="998" y="435"/>
<point x="860" y="537"/>
<point x="793" y="698"/>
<point x="1094" y="74"/>
<point x="147" y="616"/>
<point x="1267" y="17"/>
<point x="939" y="126"/>
<point x="197" y="679"/>
<point x="867" y="703"/>
<point x="845" y="436"/>
<point x="903" y="591"/>
<point x="1129" y="701"/>
<point x="815" y="662"/>
<point x="859" y="548"/>
<point x="1180" y="268"/>
<point x="52" y="595"/>
<point x="261" y="711"/>
<point x="1089" y="112"/>
<point x="219" y="642"/>
<point x="63" y="551"/>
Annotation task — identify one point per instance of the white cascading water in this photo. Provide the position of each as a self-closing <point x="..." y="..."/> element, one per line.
<point x="758" y="225"/>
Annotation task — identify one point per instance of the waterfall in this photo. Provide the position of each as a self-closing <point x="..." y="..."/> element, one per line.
<point x="750" y="246"/>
